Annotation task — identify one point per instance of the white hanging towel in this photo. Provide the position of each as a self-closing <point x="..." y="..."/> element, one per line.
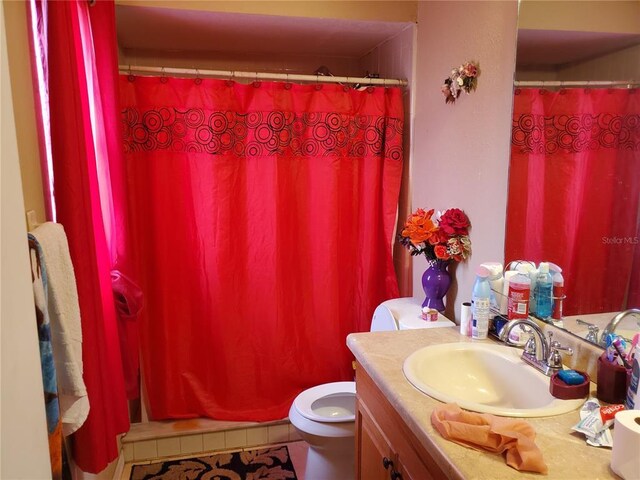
<point x="66" y="330"/>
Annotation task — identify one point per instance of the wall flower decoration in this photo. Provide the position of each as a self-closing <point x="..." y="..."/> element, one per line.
<point x="464" y="78"/>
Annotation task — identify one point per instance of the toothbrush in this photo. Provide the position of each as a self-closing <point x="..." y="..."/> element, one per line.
<point x="618" y="344"/>
<point x="634" y="343"/>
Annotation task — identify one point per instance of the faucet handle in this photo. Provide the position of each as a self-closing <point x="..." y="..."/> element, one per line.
<point x="530" y="346"/>
<point x="592" y="335"/>
<point x="555" y="358"/>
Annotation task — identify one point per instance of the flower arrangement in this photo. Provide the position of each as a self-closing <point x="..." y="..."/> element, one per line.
<point x="465" y="77"/>
<point x="444" y="238"/>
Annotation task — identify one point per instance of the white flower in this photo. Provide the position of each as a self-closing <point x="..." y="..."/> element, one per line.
<point x="453" y="247"/>
<point x="460" y="81"/>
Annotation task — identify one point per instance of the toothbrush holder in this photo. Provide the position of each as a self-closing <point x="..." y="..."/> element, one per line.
<point x="612" y="381"/>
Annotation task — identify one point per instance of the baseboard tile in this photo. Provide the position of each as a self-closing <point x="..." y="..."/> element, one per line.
<point x="186" y="443"/>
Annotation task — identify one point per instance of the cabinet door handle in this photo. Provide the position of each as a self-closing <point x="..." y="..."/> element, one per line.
<point x="386" y="463"/>
<point x="395" y="475"/>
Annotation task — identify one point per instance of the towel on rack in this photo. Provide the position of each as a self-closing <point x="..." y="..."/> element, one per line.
<point x="52" y="407"/>
<point x="66" y="329"/>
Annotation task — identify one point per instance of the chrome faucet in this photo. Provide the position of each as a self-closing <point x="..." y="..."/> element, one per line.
<point x="613" y="324"/>
<point x="541" y="355"/>
<point x="592" y="335"/>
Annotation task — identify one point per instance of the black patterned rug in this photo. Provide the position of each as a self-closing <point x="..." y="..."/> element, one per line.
<point x="267" y="464"/>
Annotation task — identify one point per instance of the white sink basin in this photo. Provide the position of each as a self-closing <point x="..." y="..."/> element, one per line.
<point x="484" y="378"/>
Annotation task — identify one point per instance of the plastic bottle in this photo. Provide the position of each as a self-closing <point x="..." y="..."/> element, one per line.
<point x="543" y="292"/>
<point x="526" y="267"/>
<point x="533" y="276"/>
<point x="558" y="295"/>
<point x="496" y="282"/>
<point x="518" y="297"/>
<point x="480" y="304"/>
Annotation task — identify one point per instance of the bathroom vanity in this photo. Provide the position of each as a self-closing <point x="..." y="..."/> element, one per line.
<point x="395" y="439"/>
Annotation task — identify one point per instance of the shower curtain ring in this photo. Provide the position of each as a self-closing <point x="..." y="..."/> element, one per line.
<point x="163" y="77"/>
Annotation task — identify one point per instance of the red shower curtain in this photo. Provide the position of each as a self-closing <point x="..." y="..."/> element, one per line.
<point x="262" y="217"/>
<point x="574" y="191"/>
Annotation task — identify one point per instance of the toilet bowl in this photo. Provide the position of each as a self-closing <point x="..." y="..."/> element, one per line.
<point x="324" y="416"/>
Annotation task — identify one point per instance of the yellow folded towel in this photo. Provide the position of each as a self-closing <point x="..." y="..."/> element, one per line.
<point x="483" y="431"/>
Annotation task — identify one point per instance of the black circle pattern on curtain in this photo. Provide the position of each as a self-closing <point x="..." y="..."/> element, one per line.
<point x="575" y="133"/>
<point x="259" y="134"/>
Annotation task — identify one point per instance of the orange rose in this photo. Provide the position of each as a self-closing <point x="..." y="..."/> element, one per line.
<point x="441" y="252"/>
<point x="419" y="227"/>
<point x="438" y="236"/>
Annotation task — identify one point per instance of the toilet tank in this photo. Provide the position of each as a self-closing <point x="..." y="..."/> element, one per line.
<point x="403" y="314"/>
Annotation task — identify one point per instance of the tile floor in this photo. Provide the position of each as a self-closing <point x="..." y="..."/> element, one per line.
<point x="297" y="453"/>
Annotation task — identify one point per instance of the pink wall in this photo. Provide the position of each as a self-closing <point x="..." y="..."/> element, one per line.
<point x="461" y="151"/>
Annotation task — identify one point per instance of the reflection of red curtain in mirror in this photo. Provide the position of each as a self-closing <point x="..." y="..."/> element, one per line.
<point x="262" y="220"/>
<point x="574" y="192"/>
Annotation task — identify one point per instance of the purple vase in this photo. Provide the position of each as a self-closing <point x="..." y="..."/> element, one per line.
<point x="435" y="283"/>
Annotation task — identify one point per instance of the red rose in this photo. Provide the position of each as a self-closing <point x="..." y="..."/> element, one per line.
<point x="455" y="222"/>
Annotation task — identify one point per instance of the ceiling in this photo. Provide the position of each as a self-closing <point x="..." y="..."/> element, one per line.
<point x="194" y="31"/>
<point x="173" y="30"/>
<point x="558" y="47"/>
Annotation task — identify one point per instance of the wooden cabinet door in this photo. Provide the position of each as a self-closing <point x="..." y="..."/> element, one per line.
<point x="381" y="433"/>
<point x="375" y="459"/>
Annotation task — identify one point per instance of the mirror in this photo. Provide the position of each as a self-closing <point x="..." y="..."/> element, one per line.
<point x="582" y="41"/>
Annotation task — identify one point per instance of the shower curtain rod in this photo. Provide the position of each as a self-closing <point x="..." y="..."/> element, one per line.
<point x="287" y="77"/>
<point x="571" y="83"/>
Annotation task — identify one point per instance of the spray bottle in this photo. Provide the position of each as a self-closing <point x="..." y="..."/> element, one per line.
<point x="480" y="304"/>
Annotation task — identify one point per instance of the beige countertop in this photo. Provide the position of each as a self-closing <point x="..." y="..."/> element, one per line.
<point x="566" y="454"/>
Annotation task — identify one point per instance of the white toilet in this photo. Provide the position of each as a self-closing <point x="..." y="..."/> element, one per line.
<point x="324" y="416"/>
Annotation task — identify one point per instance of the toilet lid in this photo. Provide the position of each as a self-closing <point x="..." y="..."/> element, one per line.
<point x="383" y="320"/>
<point x="329" y="403"/>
